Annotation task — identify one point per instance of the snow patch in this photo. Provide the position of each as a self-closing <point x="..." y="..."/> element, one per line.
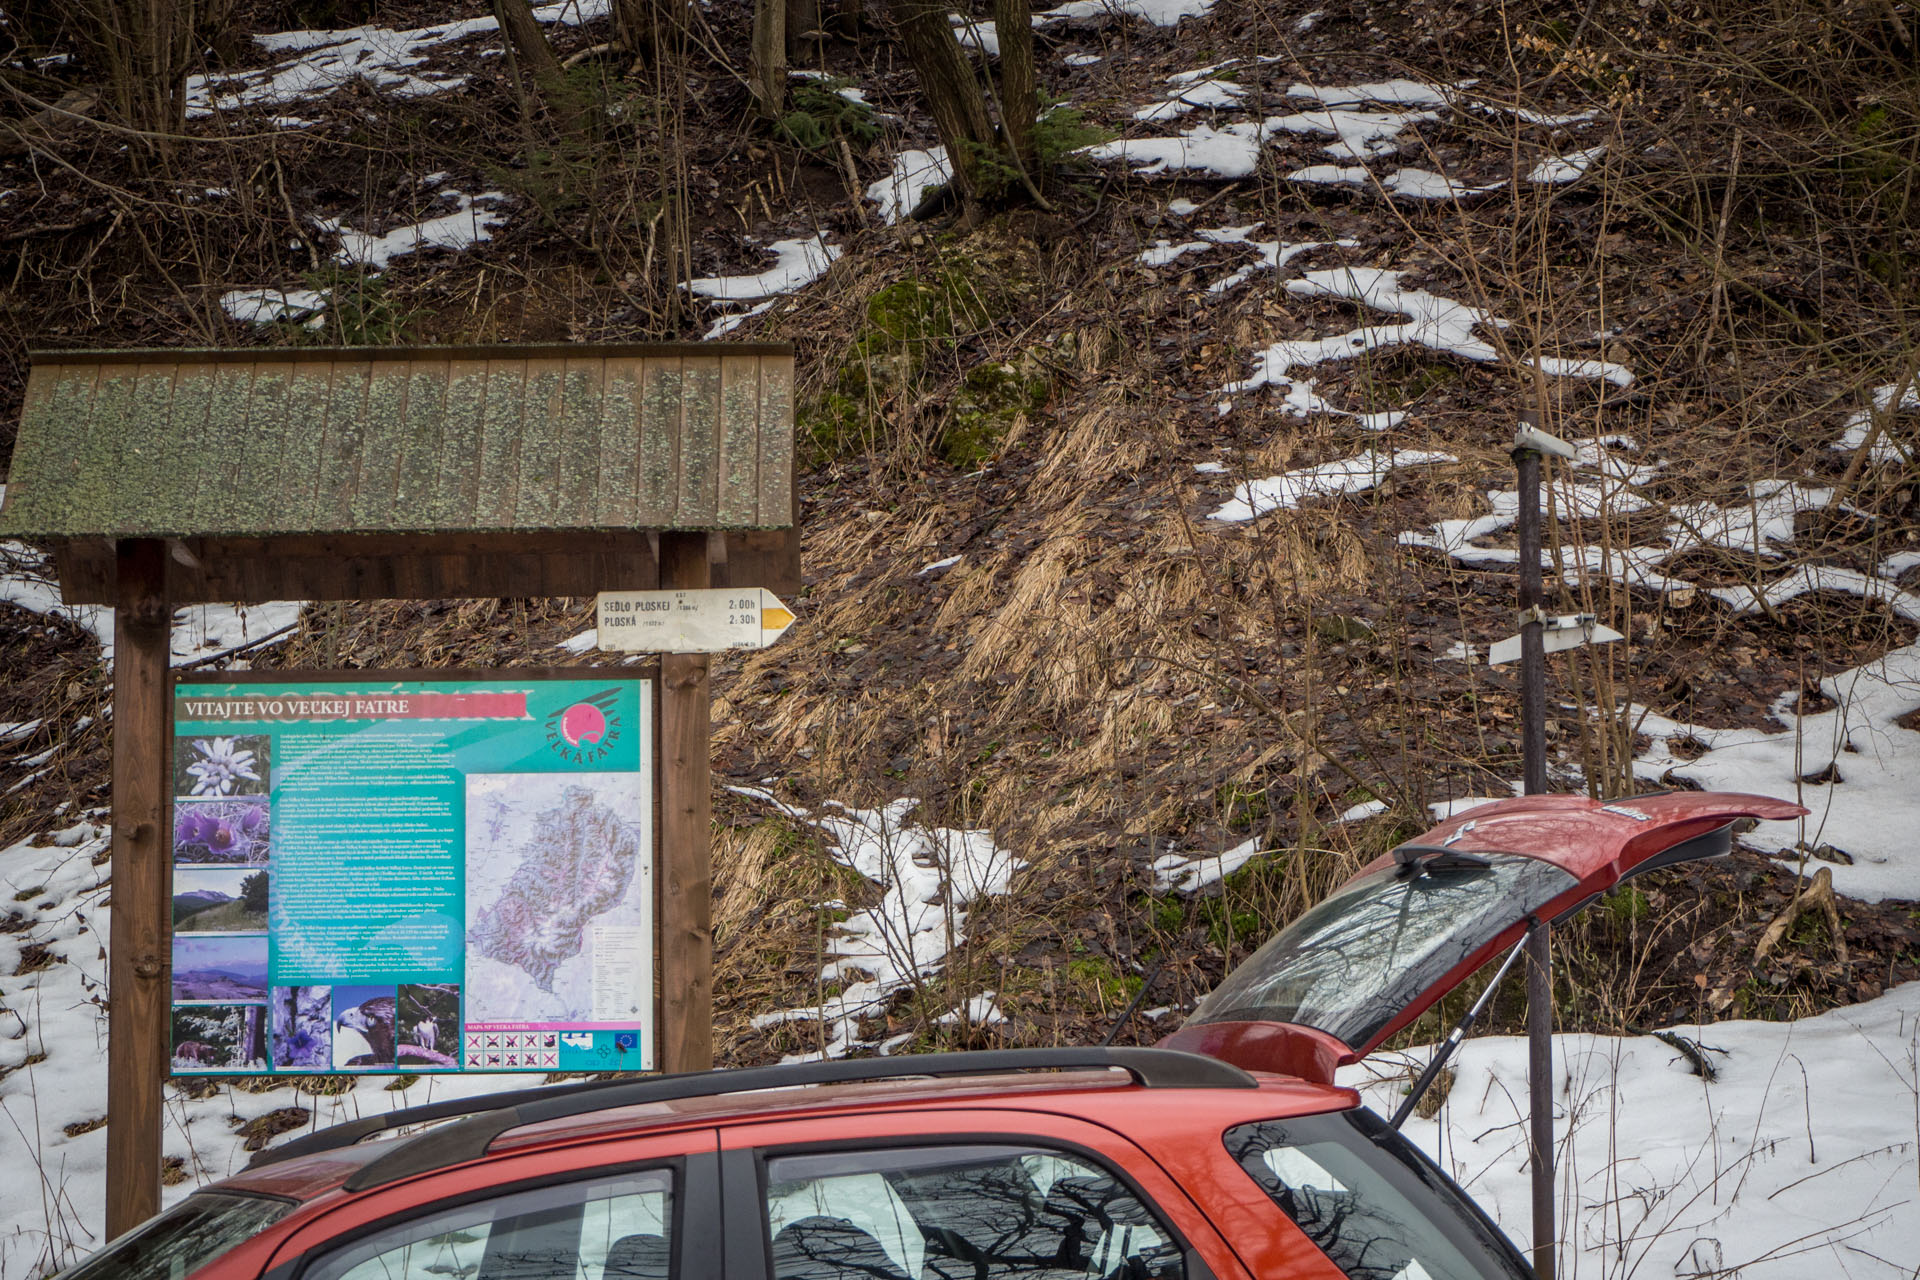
<point x="796" y="263"/>
<point x="1232" y="151"/>
<point x="927" y="876"/>
<point x="1853" y="765"/>
<point x="1211" y="94"/>
<point x="264" y="306"/>
<point x="1160" y="13"/>
<point x="1190" y="873"/>
<point x="1438" y="323"/>
<point x="1560" y="169"/>
<point x="1345" y="475"/>
<point x="1398" y="93"/>
<point x="982" y="1010"/>
<point x="1886" y="448"/>
<point x="914" y="174"/>
<point x="385" y="59"/>
<point x="463" y="228"/>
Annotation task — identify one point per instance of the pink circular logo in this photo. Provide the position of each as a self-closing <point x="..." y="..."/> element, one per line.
<point x="582" y="722"/>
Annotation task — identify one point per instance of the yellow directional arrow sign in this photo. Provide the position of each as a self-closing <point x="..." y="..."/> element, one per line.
<point x="704" y="621"/>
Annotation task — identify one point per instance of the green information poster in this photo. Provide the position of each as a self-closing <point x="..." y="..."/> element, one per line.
<point x="431" y="875"/>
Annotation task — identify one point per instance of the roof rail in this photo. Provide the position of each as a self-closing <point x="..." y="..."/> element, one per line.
<point x="490" y="1116"/>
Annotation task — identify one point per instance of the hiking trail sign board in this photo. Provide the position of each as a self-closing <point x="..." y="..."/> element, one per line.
<point x="161" y="478"/>
<point x="373" y="875"/>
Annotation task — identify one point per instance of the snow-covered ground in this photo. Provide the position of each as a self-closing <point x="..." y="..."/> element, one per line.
<point x="927" y="876"/>
<point x="1798" y="1161"/>
<point x="53" y="1064"/>
<point x="200" y="631"/>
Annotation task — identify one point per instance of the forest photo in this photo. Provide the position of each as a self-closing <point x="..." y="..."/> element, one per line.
<point x="219" y="1037"/>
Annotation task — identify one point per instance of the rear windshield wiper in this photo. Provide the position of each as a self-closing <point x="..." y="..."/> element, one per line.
<point x="1419" y="859"/>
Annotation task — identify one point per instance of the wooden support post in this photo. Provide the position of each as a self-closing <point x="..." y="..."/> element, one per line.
<point x="138" y="960"/>
<point x="686" y="829"/>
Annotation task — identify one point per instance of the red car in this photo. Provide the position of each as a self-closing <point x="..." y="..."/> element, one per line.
<point x="1228" y="1153"/>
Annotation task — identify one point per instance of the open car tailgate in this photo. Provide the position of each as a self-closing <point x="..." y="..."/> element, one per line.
<point x="1379" y="951"/>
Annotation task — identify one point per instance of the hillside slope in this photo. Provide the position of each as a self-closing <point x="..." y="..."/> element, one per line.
<point x="1152" y="541"/>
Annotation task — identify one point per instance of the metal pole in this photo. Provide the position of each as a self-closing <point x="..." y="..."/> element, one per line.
<point x="1533" y="747"/>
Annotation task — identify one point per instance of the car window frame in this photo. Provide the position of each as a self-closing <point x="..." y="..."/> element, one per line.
<point x="696" y="1215"/>
<point x="746" y="1167"/>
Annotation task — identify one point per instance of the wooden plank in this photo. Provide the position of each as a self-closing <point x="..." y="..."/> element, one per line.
<point x="767" y="558"/>
<point x="775" y="508"/>
<point x="140" y="458"/>
<point x="138" y="959"/>
<point x="458" y="491"/>
<point x="619" y="442"/>
<point x="57" y="447"/>
<point x="537" y="501"/>
<point x="86" y="570"/>
<point x="31" y="455"/>
<point x="381" y="567"/>
<point x="479" y="351"/>
<point x="422" y="423"/>
<point x="578" y="429"/>
<point x="697" y="488"/>
<point x="686" y="831"/>
<point x="309" y="399"/>
<point x="378" y="480"/>
<point x="662" y="411"/>
<point x="500" y="444"/>
<point x="737" y="457"/>
<point x="105" y="449"/>
<point x="259" y="406"/>
<point x="340" y="446"/>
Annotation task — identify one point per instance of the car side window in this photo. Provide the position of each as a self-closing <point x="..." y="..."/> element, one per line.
<point x="960" y="1213"/>
<point x="1376" y="1207"/>
<point x="617" y="1228"/>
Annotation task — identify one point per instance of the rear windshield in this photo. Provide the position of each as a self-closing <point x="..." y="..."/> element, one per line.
<point x="1351" y="964"/>
<point x="183" y="1239"/>
<point x="1371" y="1202"/>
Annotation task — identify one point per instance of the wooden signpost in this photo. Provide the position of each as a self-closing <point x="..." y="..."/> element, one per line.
<point x="166" y="478"/>
<point x="711" y="621"/>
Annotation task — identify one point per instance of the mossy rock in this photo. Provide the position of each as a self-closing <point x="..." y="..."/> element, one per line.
<point x="914" y="323"/>
<point x="836" y="425"/>
<point x="992" y="398"/>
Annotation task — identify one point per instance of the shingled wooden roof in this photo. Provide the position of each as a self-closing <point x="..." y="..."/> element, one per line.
<point x="273" y="442"/>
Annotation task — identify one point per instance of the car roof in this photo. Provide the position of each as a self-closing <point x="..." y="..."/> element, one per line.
<point x="1102" y="1096"/>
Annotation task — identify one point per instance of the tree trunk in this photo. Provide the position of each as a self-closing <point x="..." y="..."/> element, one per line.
<point x="803" y="28"/>
<point x="145" y="47"/>
<point x="847" y="18"/>
<point x="767" y="61"/>
<point x="642" y="28"/>
<point x="534" y="56"/>
<point x="952" y="94"/>
<point x="1019" y="102"/>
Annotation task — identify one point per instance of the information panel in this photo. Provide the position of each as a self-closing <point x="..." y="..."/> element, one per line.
<point x="437" y="875"/>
